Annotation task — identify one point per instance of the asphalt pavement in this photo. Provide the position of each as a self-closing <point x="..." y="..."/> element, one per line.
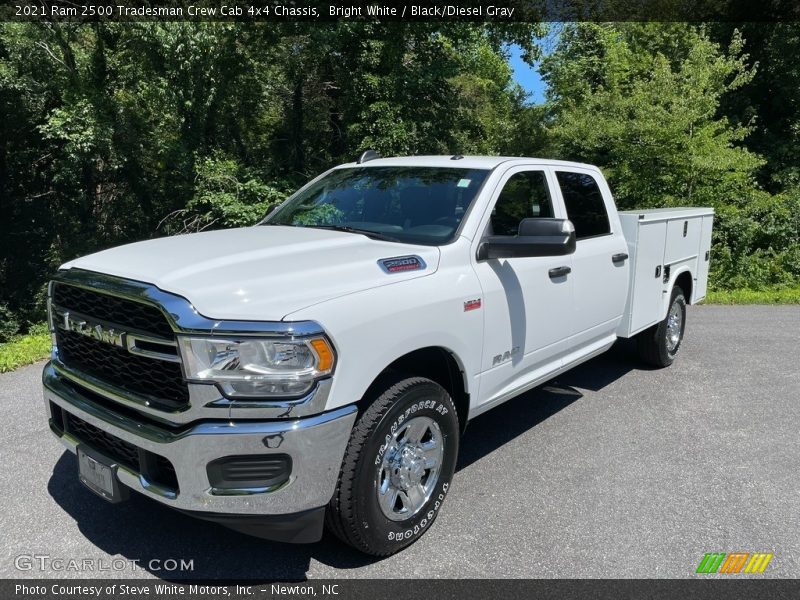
<point x="611" y="470"/>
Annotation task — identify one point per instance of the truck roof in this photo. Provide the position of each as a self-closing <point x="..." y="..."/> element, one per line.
<point x="465" y="162"/>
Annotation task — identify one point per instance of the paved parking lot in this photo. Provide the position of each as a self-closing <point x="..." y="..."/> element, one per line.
<point x="612" y="470"/>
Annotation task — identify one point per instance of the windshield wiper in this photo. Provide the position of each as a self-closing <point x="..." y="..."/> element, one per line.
<point x="375" y="235"/>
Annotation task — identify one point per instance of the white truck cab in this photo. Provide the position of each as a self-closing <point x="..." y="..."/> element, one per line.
<point x="321" y="365"/>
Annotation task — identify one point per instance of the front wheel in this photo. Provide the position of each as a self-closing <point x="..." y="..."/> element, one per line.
<point x="659" y="344"/>
<point x="397" y="468"/>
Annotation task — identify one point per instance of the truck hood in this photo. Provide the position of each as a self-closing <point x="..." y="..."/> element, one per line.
<point x="259" y="273"/>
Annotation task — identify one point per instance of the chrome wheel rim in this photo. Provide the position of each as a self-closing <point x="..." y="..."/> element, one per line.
<point x="674" y="326"/>
<point x="410" y="468"/>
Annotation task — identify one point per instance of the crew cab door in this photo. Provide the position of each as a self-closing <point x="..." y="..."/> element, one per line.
<point x="527" y="304"/>
<point x="599" y="264"/>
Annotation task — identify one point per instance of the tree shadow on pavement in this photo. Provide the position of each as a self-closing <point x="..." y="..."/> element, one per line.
<point x="500" y="425"/>
<point x="144" y="530"/>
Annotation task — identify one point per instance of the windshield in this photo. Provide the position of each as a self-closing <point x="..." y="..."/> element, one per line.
<point x="422" y="205"/>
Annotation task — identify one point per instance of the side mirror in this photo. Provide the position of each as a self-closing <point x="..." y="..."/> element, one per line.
<point x="536" y="237"/>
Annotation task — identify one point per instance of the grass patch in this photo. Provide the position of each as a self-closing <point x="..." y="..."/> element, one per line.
<point x="25" y="349"/>
<point x="785" y="295"/>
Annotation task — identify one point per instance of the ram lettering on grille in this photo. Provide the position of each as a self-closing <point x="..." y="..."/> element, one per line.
<point x="126" y="344"/>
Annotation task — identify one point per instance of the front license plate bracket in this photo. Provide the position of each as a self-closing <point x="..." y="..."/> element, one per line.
<point x="99" y="473"/>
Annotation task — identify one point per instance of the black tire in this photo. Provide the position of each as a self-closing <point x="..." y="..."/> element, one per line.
<point x="354" y="514"/>
<point x="653" y="344"/>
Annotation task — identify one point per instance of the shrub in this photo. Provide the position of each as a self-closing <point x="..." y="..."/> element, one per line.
<point x="9" y="325"/>
<point x="227" y="194"/>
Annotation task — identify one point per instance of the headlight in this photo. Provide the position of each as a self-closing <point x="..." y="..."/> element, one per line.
<point x="257" y="367"/>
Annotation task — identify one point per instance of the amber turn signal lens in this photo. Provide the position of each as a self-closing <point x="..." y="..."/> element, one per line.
<point x="324" y="353"/>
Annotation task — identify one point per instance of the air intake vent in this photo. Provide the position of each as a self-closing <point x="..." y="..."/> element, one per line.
<point x="257" y="471"/>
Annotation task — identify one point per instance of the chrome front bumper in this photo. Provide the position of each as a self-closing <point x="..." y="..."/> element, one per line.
<point x="315" y="444"/>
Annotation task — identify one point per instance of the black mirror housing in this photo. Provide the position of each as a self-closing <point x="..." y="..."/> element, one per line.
<point x="536" y="237"/>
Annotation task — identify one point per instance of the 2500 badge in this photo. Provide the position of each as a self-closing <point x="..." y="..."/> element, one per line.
<point x="399" y="264"/>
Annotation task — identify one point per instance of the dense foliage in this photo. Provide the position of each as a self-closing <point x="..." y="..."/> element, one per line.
<point x="669" y="113"/>
<point x="116" y="132"/>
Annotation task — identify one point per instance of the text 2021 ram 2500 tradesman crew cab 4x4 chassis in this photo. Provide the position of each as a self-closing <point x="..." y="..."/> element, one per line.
<point x="321" y="366"/>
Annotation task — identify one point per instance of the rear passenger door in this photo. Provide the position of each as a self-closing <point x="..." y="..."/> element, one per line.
<point x="599" y="273"/>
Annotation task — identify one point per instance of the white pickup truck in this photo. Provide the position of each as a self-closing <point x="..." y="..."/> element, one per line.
<point x="320" y="367"/>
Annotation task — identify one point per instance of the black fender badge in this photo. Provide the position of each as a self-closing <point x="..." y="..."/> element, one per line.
<point x="399" y="264"/>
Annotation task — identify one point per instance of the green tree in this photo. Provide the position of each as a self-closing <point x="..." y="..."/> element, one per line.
<point x="646" y="102"/>
<point x="641" y="100"/>
<point x="114" y="132"/>
<point x="769" y="101"/>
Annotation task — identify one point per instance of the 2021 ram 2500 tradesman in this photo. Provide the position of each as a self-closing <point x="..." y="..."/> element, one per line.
<point x="321" y="366"/>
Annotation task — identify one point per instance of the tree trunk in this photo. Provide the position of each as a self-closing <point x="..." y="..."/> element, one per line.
<point x="298" y="126"/>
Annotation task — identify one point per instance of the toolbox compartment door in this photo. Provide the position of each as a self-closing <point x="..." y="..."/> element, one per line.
<point x="661" y="243"/>
<point x="683" y="239"/>
<point x="646" y="286"/>
<point x="703" y="260"/>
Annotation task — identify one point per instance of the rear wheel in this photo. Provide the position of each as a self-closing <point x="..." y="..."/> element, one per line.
<point x="659" y="344"/>
<point x="397" y="468"/>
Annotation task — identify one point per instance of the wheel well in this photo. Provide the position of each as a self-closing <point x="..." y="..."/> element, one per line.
<point x="684" y="281"/>
<point x="434" y="363"/>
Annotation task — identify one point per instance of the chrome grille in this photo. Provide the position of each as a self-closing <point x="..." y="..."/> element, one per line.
<point x="144" y="376"/>
<point x="113" y="309"/>
<point x="159" y="381"/>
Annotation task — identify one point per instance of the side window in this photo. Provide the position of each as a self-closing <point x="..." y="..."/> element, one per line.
<point x="525" y="195"/>
<point x="584" y="204"/>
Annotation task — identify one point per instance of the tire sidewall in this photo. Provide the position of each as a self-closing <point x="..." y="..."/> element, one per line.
<point x="677" y="296"/>
<point x="423" y="399"/>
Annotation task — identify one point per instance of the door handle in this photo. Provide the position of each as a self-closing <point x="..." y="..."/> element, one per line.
<point x="559" y="272"/>
<point x="622" y="256"/>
